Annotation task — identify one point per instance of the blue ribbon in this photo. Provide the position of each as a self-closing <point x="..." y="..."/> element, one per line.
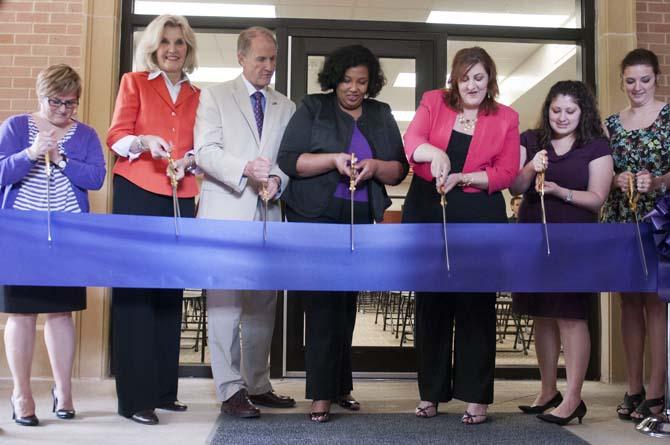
<point x="140" y="251"/>
<point x="660" y="221"/>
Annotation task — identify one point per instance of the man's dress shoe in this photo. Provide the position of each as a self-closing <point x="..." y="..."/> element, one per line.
<point x="239" y="405"/>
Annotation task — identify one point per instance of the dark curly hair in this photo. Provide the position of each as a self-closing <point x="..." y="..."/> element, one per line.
<point x="339" y="61"/>
<point x="589" y="127"/>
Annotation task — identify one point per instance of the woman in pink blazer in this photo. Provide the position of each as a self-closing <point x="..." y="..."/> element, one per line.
<point x="465" y="144"/>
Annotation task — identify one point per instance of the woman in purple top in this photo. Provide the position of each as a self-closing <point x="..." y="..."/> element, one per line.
<point x="315" y="153"/>
<point x="77" y="165"/>
<point x="570" y="147"/>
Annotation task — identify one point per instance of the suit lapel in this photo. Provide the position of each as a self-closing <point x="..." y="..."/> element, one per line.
<point x="158" y="84"/>
<point x="271" y="118"/>
<point x="185" y="93"/>
<point x="243" y="101"/>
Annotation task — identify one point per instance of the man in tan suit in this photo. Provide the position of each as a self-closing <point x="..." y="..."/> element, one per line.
<point x="238" y="129"/>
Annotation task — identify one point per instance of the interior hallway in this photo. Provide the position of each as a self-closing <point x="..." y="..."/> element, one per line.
<point x="97" y="422"/>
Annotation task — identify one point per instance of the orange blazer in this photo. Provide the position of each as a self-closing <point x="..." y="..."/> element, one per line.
<point x="144" y="106"/>
<point x="494" y="147"/>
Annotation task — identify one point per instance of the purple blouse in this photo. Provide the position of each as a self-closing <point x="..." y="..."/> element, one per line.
<point x="361" y="148"/>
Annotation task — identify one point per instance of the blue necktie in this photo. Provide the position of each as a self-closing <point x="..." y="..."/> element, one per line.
<point x="258" y="111"/>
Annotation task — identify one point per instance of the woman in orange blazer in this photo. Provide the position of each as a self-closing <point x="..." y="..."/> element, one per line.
<point x="463" y="143"/>
<point x="154" y="118"/>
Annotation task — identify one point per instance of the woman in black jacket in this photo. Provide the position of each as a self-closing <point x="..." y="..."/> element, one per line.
<point x="315" y="152"/>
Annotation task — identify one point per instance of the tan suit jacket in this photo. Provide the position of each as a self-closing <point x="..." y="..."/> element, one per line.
<point x="226" y="138"/>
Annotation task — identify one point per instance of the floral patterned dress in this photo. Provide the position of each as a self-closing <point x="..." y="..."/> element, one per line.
<point x="644" y="148"/>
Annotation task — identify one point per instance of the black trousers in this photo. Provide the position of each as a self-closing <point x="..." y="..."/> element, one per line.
<point x="330" y="318"/>
<point x="146" y="323"/>
<point x="468" y="322"/>
<point x="455" y="333"/>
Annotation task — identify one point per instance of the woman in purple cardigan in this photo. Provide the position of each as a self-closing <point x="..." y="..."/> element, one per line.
<point x="77" y="165"/>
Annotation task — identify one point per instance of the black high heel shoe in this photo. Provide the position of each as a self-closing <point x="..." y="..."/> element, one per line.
<point x="60" y="413"/>
<point x="579" y="413"/>
<point x="539" y="409"/>
<point x="23" y="421"/>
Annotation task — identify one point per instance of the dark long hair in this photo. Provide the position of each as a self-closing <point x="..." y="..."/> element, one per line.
<point x="465" y="59"/>
<point x="589" y="127"/>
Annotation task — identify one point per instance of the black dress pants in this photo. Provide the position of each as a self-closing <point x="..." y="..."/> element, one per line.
<point x="455" y="332"/>
<point x="468" y="322"/>
<point x="330" y="318"/>
<point x="146" y="323"/>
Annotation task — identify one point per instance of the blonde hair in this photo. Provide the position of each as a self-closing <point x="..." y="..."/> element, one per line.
<point x="246" y="36"/>
<point x="145" y="55"/>
<point x="58" y="79"/>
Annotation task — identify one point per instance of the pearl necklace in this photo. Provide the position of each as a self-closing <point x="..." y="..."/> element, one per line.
<point x="467" y="124"/>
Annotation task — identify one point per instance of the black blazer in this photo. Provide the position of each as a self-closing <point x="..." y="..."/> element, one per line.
<point x="320" y="126"/>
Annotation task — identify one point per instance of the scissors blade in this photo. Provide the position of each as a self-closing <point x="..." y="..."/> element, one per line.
<point x="632" y="201"/>
<point x="352" y="190"/>
<point x="351" y="223"/>
<point x="265" y="219"/>
<point x="544" y="222"/>
<point x="641" y="246"/>
<point x="443" y="203"/>
<point x="540" y="179"/>
<point x="175" y="209"/>
<point x="47" y="167"/>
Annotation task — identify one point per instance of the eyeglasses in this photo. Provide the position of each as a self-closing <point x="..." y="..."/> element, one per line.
<point x="57" y="103"/>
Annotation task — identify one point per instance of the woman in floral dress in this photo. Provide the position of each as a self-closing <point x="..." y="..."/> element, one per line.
<point x="640" y="141"/>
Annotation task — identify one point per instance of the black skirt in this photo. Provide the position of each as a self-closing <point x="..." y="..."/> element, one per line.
<point x="41" y="299"/>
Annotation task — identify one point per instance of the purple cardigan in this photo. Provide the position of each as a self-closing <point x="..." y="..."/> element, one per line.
<point x="85" y="167"/>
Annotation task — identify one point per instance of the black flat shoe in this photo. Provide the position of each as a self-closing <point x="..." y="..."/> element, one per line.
<point x="579" y="413"/>
<point x="145" y="417"/>
<point x="174" y="406"/>
<point x="539" y="409"/>
<point x="65" y="414"/>
<point x="23" y="421"/>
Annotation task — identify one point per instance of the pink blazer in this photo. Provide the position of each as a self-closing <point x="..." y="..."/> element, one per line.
<point x="494" y="147"/>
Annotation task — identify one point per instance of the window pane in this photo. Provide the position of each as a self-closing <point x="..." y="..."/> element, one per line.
<point x="554" y="14"/>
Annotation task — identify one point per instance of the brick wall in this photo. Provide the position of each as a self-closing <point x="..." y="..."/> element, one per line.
<point x="653" y="33"/>
<point x="33" y="35"/>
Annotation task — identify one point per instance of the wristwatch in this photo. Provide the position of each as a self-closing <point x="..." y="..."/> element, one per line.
<point x="62" y="163"/>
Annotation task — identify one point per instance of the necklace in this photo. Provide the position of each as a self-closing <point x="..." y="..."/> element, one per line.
<point x="467" y="124"/>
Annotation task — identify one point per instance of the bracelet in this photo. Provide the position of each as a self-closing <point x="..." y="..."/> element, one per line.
<point x="568" y="198"/>
<point x="190" y="168"/>
<point x="143" y="145"/>
<point x="466" y="181"/>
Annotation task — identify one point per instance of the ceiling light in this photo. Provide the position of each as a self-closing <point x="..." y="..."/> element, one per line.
<point x="204" y="9"/>
<point x="498" y="19"/>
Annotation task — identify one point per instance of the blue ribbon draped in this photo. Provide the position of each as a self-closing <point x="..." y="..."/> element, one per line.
<point x="140" y="251"/>
<point x="660" y="221"/>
